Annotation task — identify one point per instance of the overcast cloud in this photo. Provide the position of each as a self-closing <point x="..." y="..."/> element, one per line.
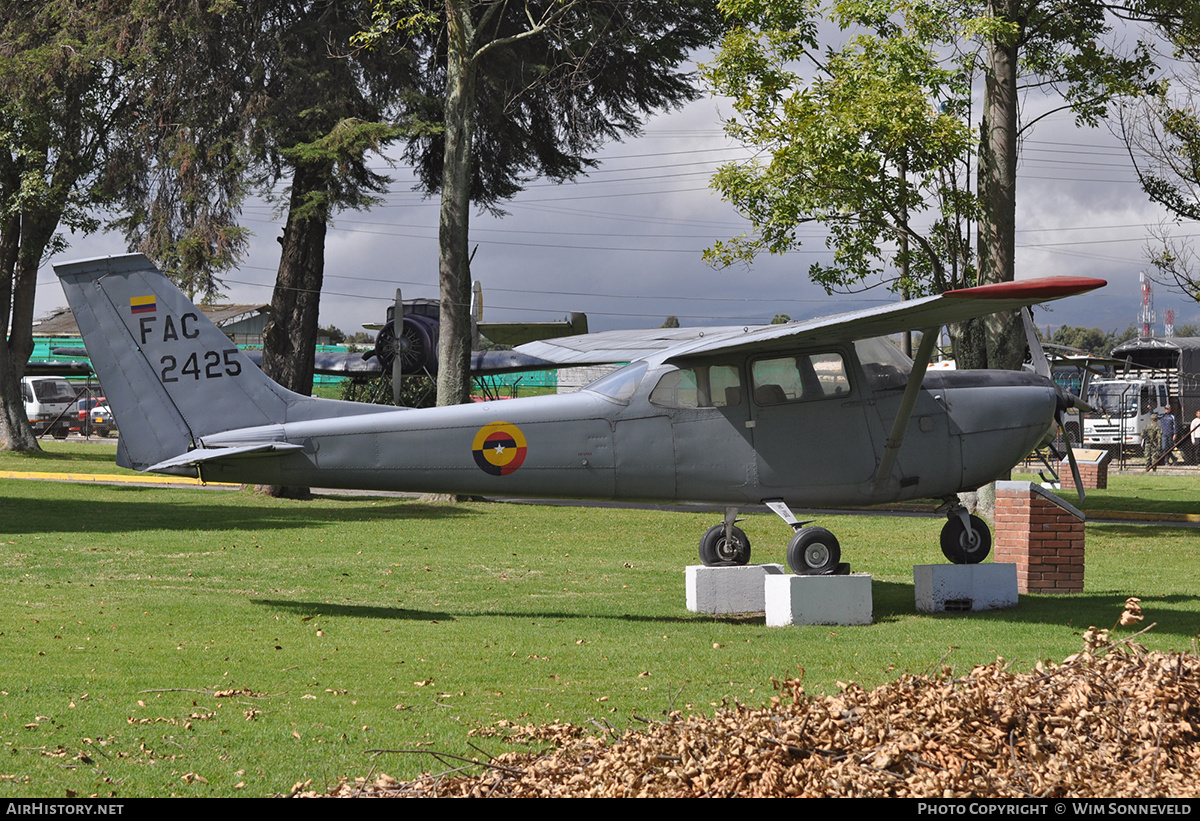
<point x="624" y="243"/>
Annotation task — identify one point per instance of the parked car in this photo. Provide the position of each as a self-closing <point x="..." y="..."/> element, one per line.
<point x="103" y="422"/>
<point x="81" y="419"/>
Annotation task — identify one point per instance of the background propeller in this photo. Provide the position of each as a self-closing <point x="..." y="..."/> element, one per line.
<point x="1066" y="401"/>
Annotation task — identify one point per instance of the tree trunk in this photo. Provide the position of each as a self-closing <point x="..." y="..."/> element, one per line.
<point x="454" y="277"/>
<point x="21" y="248"/>
<point x="1003" y="343"/>
<point x="290" y="338"/>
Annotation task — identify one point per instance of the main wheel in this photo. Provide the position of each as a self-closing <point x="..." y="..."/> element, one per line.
<point x="962" y="546"/>
<point x="717" y="551"/>
<point x="813" y="551"/>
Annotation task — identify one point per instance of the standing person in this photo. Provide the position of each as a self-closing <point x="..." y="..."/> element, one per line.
<point x="1195" y="431"/>
<point x="1152" y="442"/>
<point x="1167" y="423"/>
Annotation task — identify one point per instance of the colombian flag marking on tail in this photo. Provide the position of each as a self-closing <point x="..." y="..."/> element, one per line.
<point x="499" y="448"/>
<point x="142" y="304"/>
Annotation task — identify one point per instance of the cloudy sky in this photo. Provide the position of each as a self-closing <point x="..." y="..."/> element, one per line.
<point x="624" y="243"/>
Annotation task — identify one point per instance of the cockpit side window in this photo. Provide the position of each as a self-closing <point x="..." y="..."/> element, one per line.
<point x="779" y="380"/>
<point x="707" y="386"/>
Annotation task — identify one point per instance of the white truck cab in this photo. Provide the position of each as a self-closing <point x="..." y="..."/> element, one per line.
<point x="1123" y="409"/>
<point x="48" y="400"/>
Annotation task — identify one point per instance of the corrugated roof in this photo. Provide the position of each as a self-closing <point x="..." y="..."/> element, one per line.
<point x="61" y="322"/>
<point x="1174" y="343"/>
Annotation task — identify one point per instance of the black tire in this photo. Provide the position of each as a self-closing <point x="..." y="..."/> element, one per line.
<point x="813" y="551"/>
<point x="1072" y="434"/>
<point x="717" y="551"/>
<point x="961" y="546"/>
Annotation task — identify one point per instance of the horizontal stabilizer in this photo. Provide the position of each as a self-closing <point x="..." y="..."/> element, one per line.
<point x="198" y="455"/>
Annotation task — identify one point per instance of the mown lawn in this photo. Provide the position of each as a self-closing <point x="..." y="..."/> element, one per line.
<point x="188" y="642"/>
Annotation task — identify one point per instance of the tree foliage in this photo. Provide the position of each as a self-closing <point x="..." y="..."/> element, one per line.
<point x="854" y="125"/>
<point x="853" y="138"/>
<point x="1162" y="134"/>
<point x="71" y="75"/>
<point x="1091" y="340"/>
<point x="288" y="108"/>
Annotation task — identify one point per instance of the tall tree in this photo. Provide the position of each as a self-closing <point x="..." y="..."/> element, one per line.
<point x="864" y="139"/>
<point x="186" y="172"/>
<point x="286" y="101"/>
<point x="526" y="89"/>
<point x="70" y="73"/>
<point x="1050" y="47"/>
<point x="1162" y="134"/>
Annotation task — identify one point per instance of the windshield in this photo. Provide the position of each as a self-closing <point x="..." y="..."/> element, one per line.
<point x="1108" y="400"/>
<point x="621" y="384"/>
<point x="50" y="391"/>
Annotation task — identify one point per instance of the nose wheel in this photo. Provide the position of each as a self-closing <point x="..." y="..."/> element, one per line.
<point x="965" y="539"/>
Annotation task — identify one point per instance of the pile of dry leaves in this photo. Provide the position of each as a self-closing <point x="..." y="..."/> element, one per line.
<point x="1114" y="720"/>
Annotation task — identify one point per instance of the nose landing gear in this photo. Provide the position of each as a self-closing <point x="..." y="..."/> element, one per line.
<point x="965" y="538"/>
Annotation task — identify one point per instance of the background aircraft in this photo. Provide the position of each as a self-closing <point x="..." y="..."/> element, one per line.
<point x="816" y="413"/>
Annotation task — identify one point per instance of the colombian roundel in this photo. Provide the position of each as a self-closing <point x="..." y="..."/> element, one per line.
<point x="499" y="448"/>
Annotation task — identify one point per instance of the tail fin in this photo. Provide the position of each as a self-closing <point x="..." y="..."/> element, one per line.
<point x="170" y="375"/>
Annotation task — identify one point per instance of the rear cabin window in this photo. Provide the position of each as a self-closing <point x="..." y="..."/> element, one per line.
<point x="799" y="378"/>
<point x="710" y="386"/>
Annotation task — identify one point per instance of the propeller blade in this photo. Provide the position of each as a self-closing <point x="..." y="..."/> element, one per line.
<point x="476" y="312"/>
<point x="397" y="359"/>
<point x="1041" y="365"/>
<point x="1058" y="416"/>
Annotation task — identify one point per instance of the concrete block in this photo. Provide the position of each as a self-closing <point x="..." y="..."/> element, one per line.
<point x="818" y="600"/>
<point x="719" y="590"/>
<point x="950" y="588"/>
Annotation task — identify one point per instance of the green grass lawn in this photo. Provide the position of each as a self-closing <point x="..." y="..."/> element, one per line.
<point x="350" y="624"/>
<point x="1137" y="491"/>
<point x="66" y="457"/>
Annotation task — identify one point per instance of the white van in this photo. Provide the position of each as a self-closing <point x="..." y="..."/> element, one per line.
<point x="47" y="403"/>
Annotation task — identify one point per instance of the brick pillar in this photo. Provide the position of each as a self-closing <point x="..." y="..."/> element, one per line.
<point x="1093" y="470"/>
<point x="1042" y="535"/>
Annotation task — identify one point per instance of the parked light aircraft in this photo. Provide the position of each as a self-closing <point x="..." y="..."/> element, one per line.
<point x="821" y="412"/>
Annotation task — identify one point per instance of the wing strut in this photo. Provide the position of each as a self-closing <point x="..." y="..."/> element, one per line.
<point x="896" y="438"/>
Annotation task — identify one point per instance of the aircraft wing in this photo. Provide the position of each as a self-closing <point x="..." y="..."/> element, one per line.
<point x="918" y="314"/>
<point x="483" y="363"/>
<point x="616" y="346"/>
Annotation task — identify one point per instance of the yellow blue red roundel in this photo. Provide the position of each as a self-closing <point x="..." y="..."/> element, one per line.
<point x="499" y="448"/>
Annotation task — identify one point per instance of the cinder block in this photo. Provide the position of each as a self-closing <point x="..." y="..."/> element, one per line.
<point x="719" y="590"/>
<point x="818" y="600"/>
<point x="949" y="588"/>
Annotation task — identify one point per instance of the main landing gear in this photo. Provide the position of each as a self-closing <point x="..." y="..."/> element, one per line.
<point x="725" y="545"/>
<point x="814" y="551"/>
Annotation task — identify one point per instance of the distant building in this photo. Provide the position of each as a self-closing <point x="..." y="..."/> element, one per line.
<point x="243" y="324"/>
